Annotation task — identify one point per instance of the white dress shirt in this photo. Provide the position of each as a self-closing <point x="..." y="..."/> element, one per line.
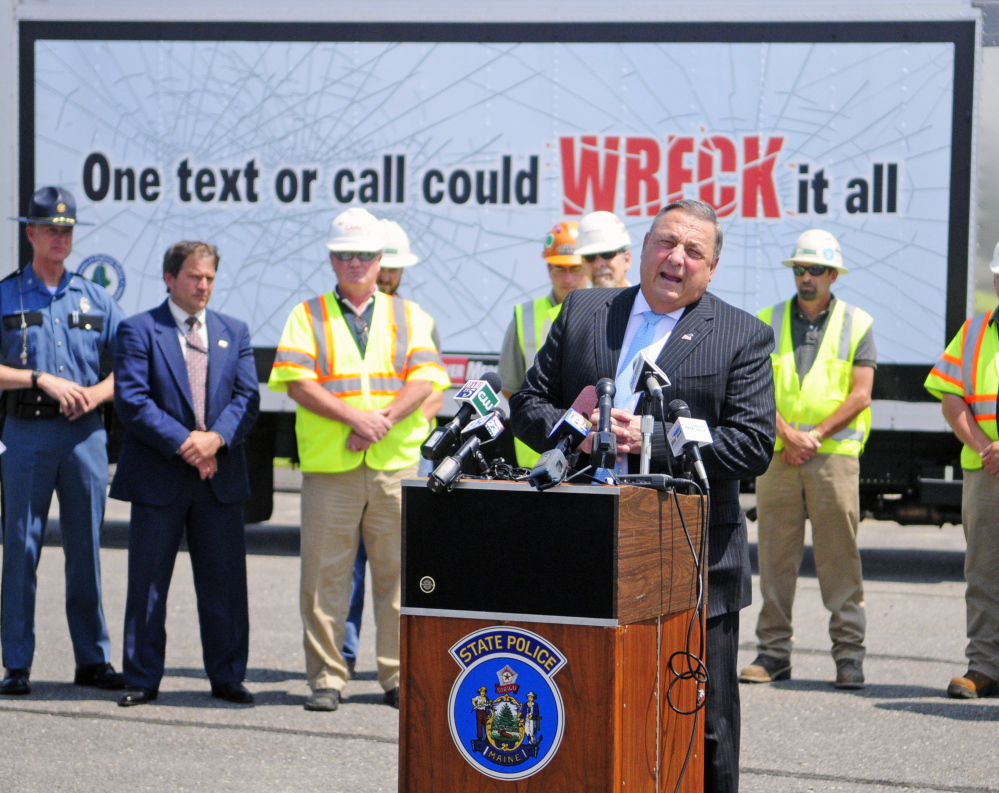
<point x="180" y="317"/>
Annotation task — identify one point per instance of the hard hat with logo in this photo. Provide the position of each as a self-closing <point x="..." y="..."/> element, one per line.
<point x="601" y="232"/>
<point x="358" y="230"/>
<point x="816" y="246"/>
<point x="560" y="244"/>
<point x="994" y="264"/>
<point x="397" y="253"/>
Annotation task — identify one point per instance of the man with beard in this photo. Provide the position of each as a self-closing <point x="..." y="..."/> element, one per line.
<point x="824" y="362"/>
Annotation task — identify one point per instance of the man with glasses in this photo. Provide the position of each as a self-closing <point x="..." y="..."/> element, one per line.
<point x="531" y="321"/>
<point x="824" y="362"/>
<point x="359" y="363"/>
<point x="603" y="243"/>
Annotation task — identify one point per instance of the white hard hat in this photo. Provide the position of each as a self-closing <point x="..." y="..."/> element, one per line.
<point x="358" y="230"/>
<point x="816" y="246"/>
<point x="994" y="264"/>
<point x="397" y="253"/>
<point x="601" y="232"/>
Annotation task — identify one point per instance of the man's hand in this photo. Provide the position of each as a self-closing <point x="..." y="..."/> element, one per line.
<point x="626" y="426"/>
<point x="990" y="458"/>
<point x="356" y="443"/>
<point x="200" y="448"/>
<point x="207" y="468"/>
<point x="799" y="447"/>
<point x="72" y="397"/>
<point x="371" y="425"/>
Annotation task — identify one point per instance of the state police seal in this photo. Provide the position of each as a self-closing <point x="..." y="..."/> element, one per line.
<point x="104" y="271"/>
<point x="505" y="711"/>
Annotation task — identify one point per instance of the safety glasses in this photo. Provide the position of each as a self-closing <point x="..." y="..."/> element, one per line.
<point x="814" y="269"/>
<point x="590" y="258"/>
<point x="346" y="256"/>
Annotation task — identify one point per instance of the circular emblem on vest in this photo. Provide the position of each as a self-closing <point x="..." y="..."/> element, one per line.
<point x="505" y="711"/>
<point x="104" y="271"/>
<point x="427" y="585"/>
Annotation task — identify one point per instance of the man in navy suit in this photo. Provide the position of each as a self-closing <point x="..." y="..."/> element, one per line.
<point x="717" y="358"/>
<point x="186" y="391"/>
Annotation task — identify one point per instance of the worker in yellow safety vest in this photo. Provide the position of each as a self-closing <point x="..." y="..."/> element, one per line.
<point x="359" y="364"/>
<point x="824" y="361"/>
<point x="527" y="332"/>
<point x="966" y="379"/>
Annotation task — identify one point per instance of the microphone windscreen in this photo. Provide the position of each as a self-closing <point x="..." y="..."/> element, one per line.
<point x="494" y="380"/>
<point x="586" y="401"/>
<point x="678" y="409"/>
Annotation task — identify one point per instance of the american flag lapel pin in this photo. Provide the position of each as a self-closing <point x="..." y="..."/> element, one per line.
<point x="686" y="337"/>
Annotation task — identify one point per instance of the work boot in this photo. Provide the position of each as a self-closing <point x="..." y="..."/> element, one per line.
<point x="849" y="674"/>
<point x="766" y="669"/>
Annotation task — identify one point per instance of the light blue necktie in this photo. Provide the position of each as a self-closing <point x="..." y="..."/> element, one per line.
<point x="624" y="397"/>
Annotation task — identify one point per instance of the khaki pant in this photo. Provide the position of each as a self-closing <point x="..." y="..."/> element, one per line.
<point x="980" y="511"/>
<point x="826" y="491"/>
<point x="337" y="509"/>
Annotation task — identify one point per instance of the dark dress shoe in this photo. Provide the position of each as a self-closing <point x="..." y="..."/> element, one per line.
<point x="138" y="696"/>
<point x="232" y="692"/>
<point x="15" y="681"/>
<point x="99" y="676"/>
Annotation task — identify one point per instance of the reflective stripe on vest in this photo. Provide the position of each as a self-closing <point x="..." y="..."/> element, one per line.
<point x="531" y="315"/>
<point x="806" y="402"/>
<point x="983" y="405"/>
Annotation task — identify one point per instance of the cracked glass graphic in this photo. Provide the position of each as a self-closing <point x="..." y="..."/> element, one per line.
<point x="323" y="108"/>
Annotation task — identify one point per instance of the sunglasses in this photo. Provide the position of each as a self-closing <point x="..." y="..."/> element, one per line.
<point x="346" y="256"/>
<point x="814" y="269"/>
<point x="590" y="258"/>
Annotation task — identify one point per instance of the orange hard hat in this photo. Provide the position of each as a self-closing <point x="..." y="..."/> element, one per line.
<point x="560" y="244"/>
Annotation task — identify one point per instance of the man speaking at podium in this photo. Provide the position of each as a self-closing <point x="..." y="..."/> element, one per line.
<point x="717" y="358"/>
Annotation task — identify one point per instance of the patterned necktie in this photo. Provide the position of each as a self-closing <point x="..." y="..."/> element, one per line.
<point x="624" y="397"/>
<point x="196" y="358"/>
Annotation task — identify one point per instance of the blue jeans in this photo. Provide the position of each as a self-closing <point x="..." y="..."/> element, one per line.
<point x="352" y="631"/>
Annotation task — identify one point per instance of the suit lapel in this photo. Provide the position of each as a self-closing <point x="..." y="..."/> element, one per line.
<point x="220" y="347"/>
<point x="694" y="326"/>
<point x="611" y="323"/>
<point x="169" y="344"/>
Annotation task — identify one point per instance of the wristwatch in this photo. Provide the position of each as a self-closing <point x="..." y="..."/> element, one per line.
<point x="35" y="374"/>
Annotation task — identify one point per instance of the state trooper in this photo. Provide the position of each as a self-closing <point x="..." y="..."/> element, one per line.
<point x="55" y="326"/>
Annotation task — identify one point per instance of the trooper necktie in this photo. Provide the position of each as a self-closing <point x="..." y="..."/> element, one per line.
<point x="196" y="358"/>
<point x="624" y="397"/>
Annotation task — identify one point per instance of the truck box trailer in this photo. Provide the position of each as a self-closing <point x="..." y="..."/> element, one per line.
<point x="477" y="134"/>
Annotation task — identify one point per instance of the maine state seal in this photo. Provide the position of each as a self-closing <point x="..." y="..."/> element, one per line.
<point x="104" y="271"/>
<point x="505" y="711"/>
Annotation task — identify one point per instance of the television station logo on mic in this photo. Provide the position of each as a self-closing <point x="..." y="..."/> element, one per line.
<point x="505" y="712"/>
<point x="479" y="394"/>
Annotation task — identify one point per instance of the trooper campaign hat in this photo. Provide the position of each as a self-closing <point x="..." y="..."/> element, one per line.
<point x="52" y="206"/>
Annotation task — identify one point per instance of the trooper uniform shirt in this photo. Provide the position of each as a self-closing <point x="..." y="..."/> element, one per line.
<point x="63" y="333"/>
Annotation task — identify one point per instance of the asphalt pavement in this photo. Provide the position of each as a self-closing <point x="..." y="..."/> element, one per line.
<point x="801" y="735"/>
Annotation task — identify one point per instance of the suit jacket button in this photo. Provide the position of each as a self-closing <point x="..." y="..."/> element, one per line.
<point x="38" y="413"/>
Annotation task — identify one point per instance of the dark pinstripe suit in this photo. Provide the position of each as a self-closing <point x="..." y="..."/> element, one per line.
<point x="718" y="362"/>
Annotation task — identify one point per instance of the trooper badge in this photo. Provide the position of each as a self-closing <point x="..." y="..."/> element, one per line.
<point x="505" y="711"/>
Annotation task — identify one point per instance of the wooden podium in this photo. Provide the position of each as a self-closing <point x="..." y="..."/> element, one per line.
<point x="581" y="593"/>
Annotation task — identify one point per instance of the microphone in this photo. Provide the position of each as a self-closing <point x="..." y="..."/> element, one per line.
<point x="479" y="432"/>
<point x="604" y="450"/>
<point x="475" y="397"/>
<point x="686" y="435"/>
<point x="570" y="431"/>
<point x="649" y="377"/>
